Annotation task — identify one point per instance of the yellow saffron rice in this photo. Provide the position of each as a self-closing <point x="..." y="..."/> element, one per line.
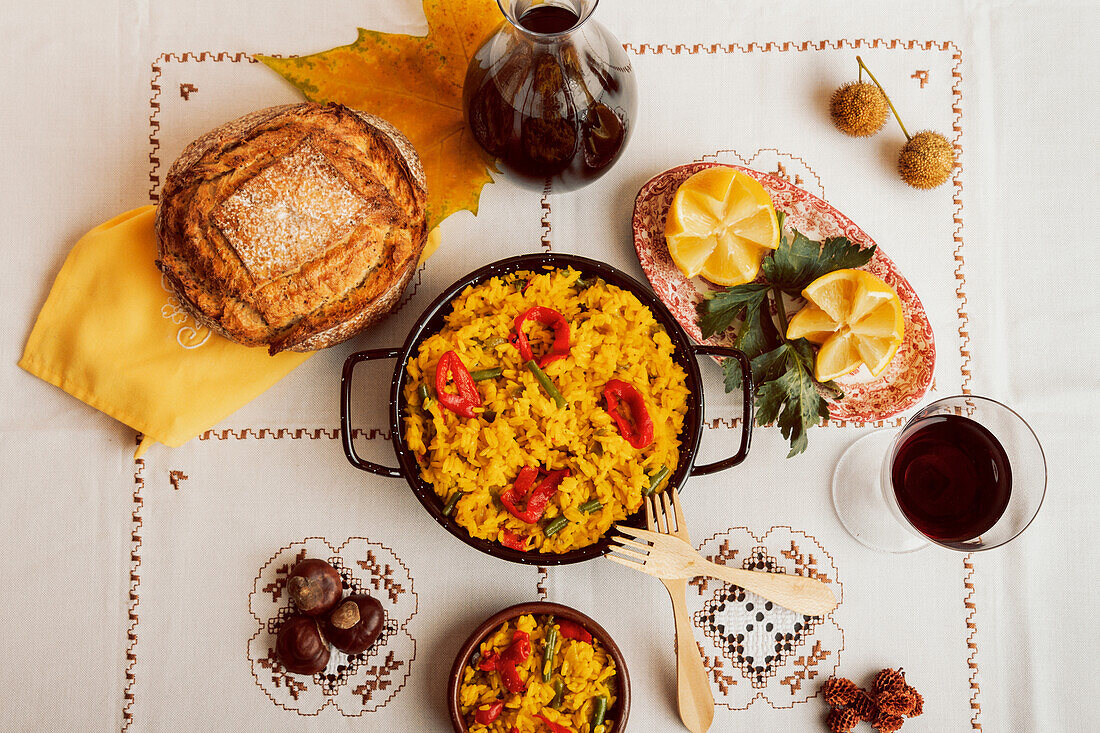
<point x="612" y="336"/>
<point x="585" y="670"/>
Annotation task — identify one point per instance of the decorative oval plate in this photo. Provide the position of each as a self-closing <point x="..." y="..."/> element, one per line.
<point x="866" y="398"/>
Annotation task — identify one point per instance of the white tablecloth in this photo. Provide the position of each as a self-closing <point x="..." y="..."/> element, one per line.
<point x="136" y="590"/>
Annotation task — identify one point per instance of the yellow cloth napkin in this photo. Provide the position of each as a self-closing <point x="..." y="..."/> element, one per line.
<point x="112" y="335"/>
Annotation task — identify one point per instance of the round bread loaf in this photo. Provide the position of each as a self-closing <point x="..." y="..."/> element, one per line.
<point x="293" y="227"/>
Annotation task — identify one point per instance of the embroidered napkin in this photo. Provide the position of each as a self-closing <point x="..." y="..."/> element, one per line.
<point x="112" y="335"/>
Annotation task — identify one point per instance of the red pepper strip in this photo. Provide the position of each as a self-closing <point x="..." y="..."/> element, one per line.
<point x="571" y="630"/>
<point x="489" y="712"/>
<point x="639" y="433"/>
<point x="510" y="677"/>
<point x="488" y="663"/>
<point x="467" y="397"/>
<point x="525" y="481"/>
<point x="537" y="501"/>
<point x="519" y="650"/>
<point x="547" y="317"/>
<point x="513" y="729"/>
<point x="554" y="727"/>
<point x="508" y="538"/>
<point x="516" y="653"/>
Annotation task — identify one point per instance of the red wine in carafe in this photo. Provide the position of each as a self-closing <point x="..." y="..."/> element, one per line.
<point x="548" y="107"/>
<point x="548" y="19"/>
<point x="952" y="478"/>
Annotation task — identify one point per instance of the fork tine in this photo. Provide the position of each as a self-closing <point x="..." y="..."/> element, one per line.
<point x="629" y="563"/>
<point x="624" y="552"/>
<point x="641" y="534"/>
<point x="650" y="537"/>
<point x="681" y="523"/>
<point x="632" y="544"/>
<point x="624" y="560"/>
<point x="666" y="510"/>
<point x="662" y="520"/>
<point x="650" y="522"/>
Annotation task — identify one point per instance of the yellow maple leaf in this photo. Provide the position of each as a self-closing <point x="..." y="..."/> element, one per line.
<point x="415" y="82"/>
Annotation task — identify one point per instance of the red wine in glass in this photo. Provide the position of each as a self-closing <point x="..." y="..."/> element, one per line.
<point x="951" y="477"/>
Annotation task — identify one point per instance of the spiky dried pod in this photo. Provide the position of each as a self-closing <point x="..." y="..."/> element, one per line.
<point x="842" y="720"/>
<point x="927" y="160"/>
<point x="839" y="691"/>
<point x="888" y="680"/>
<point x="859" y="109"/>
<point x="888" y="723"/>
<point x="895" y="702"/>
<point x="865" y="706"/>
<point x="918" y="703"/>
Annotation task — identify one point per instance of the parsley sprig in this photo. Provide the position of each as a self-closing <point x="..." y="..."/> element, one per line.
<point x="786" y="391"/>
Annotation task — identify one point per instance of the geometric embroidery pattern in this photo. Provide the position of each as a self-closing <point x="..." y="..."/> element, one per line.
<point x="755" y="649"/>
<point x="352" y="683"/>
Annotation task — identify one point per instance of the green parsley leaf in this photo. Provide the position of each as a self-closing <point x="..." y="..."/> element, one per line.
<point x="790" y="397"/>
<point x="717" y="313"/>
<point x="799" y="260"/>
<point x="757" y="335"/>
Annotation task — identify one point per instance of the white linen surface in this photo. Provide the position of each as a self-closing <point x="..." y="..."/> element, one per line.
<point x="129" y="582"/>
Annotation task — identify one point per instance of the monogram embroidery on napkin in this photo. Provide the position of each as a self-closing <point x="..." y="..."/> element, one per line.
<point x="191" y="333"/>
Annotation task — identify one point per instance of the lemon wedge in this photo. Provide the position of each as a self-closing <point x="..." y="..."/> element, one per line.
<point x="720" y="225"/>
<point x="855" y="318"/>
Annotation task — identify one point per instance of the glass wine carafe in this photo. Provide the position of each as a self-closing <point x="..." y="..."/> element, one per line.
<point x="551" y="95"/>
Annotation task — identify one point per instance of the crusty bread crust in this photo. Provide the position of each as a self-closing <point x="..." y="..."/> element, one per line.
<point x="293" y="227"/>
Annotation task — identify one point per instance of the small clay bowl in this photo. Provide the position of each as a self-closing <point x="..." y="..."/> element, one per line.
<point x="618" y="712"/>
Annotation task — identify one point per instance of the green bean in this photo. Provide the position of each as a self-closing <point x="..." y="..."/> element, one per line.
<point x="425" y="396"/>
<point x="656" y="479"/>
<point x="556" y="526"/>
<point x="547" y="385"/>
<point x="559" y="693"/>
<point x="592" y="505"/>
<point x="599" y="710"/>
<point x="582" y="282"/>
<point x="548" y="650"/>
<point x="494" y="341"/>
<point x="449" y="507"/>
<point x="484" y="374"/>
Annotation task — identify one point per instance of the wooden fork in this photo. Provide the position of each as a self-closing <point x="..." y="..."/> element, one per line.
<point x="666" y="554"/>
<point x="693" y="695"/>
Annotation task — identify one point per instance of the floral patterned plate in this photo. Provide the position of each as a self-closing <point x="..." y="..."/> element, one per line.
<point x="867" y="398"/>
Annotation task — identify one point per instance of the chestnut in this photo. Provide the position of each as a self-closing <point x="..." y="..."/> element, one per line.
<point x="314" y="586"/>
<point x="300" y="647"/>
<point x="355" y="624"/>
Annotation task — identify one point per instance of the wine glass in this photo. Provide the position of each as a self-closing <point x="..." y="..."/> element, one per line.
<point x="965" y="472"/>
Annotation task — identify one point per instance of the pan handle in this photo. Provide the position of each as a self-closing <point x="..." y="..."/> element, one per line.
<point x="746" y="413"/>
<point x="345" y="411"/>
